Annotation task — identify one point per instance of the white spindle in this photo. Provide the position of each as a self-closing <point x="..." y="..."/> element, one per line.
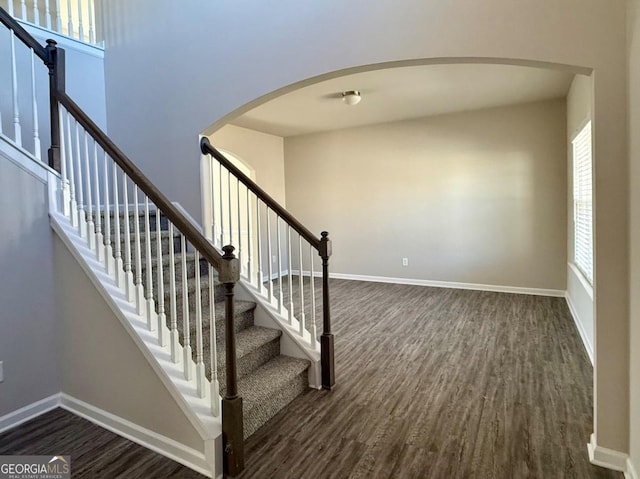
<point x="69" y="19"/>
<point x="173" y="335"/>
<point x="239" y="243"/>
<point x="119" y="267"/>
<point x="140" y="300"/>
<point x="259" y="246"/>
<point x="213" y="350"/>
<point x="229" y="208"/>
<point x="91" y="234"/>
<point x="200" y="372"/>
<point x="249" y="242"/>
<point x="10" y="11"/>
<point x="301" y="316"/>
<point x="221" y="190"/>
<point x="151" y="307"/>
<point x="128" y="273"/>
<point x="108" y="250"/>
<point x="92" y="38"/>
<point x="72" y="178"/>
<point x="82" y="218"/>
<point x="162" y="317"/>
<point x="17" y="129"/>
<point x="270" y="255"/>
<point x="64" y="184"/>
<point x="23" y="8"/>
<point x="289" y="275"/>
<point x="98" y="217"/>
<point x="80" y="24"/>
<point x="312" y="276"/>
<point x="188" y="361"/>
<point x="58" y="17"/>
<point x="36" y="130"/>
<point x="47" y="14"/>
<point x="36" y="13"/>
<point x="279" y="254"/>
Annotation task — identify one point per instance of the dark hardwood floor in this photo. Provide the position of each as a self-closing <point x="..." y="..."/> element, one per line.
<point x="431" y="383"/>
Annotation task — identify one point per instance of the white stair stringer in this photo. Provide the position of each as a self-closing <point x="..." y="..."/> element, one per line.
<point x="195" y="408"/>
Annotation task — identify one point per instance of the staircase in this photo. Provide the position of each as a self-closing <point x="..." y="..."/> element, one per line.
<point x="212" y="325"/>
<point x="267" y="380"/>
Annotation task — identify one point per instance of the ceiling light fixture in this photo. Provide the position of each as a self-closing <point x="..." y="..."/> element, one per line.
<point x="351" y="97"/>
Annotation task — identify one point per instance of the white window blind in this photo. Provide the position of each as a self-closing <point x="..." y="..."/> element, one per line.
<point x="582" y="202"/>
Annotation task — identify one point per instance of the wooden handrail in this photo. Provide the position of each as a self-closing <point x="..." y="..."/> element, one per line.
<point x="208" y="149"/>
<point x="23" y="35"/>
<point x="192" y="234"/>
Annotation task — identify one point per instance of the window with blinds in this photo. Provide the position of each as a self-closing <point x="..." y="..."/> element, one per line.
<point x="582" y="202"/>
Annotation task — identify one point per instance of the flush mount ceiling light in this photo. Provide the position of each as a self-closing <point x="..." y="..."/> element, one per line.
<point x="351" y="97"/>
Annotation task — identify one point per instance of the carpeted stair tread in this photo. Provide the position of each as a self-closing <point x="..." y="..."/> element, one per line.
<point x="249" y="340"/>
<point x="270" y="388"/>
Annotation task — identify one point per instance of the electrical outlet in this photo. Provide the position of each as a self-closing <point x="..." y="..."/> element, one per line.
<point x="405" y="261"/>
<point x="1" y="371"/>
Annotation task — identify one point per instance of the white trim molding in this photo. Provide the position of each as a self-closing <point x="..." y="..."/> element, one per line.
<point x="631" y="472"/>
<point x="163" y="445"/>
<point x="579" y="326"/>
<point x="449" y="284"/>
<point x="26" y="413"/>
<point x="609" y="458"/>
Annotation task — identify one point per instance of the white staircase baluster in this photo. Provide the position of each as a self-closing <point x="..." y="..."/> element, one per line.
<point x="215" y="384"/>
<point x="301" y="316"/>
<point x="174" y="337"/>
<point x="82" y="218"/>
<point x="128" y="273"/>
<point x="17" y="129"/>
<point x="162" y="318"/>
<point x="69" y="20"/>
<point x="221" y="190"/>
<point x="23" y="8"/>
<point x="140" y="299"/>
<point x="212" y="192"/>
<point x="36" y="13"/>
<point x="10" y="10"/>
<point x="258" y="267"/>
<point x="80" y="24"/>
<point x="151" y="306"/>
<point x="200" y="371"/>
<point x="36" y="130"/>
<point x="72" y="176"/>
<point x="92" y="37"/>
<point x="289" y="274"/>
<point x="312" y="341"/>
<point x="119" y="267"/>
<point x="279" y="246"/>
<point x="249" y="241"/>
<point x="230" y="212"/>
<point x="240" y="255"/>
<point x="64" y="184"/>
<point x="91" y="233"/>
<point x="108" y="250"/>
<point x="187" y="360"/>
<point x="47" y="14"/>
<point x="270" y="255"/>
<point x="100" y="256"/>
<point x="58" y="17"/>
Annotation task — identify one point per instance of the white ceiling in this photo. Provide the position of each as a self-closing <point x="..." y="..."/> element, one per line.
<point x="403" y="93"/>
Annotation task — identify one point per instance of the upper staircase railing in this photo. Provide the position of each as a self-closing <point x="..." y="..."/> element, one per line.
<point x="243" y="214"/>
<point x="72" y="18"/>
<point x="123" y="217"/>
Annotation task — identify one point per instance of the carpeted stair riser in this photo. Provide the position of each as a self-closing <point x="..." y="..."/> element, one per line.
<point x="164" y="222"/>
<point x="166" y="270"/>
<point x="166" y="241"/>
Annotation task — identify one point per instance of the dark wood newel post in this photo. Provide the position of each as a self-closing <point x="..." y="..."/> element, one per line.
<point x="326" y="340"/>
<point x="232" y="420"/>
<point x="55" y="63"/>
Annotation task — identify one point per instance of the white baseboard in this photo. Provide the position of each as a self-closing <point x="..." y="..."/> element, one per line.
<point x="576" y="319"/>
<point x="163" y="445"/>
<point x="632" y="472"/>
<point x="450" y="284"/>
<point x="609" y="458"/>
<point x="29" y="412"/>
